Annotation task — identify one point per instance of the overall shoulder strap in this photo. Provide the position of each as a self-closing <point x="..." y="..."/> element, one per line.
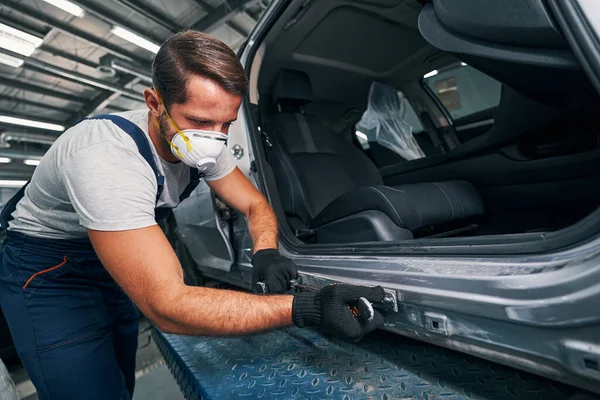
<point x="141" y="141"/>
<point x="195" y="177"/>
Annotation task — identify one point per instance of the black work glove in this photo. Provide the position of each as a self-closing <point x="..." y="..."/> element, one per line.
<point x="329" y="310"/>
<point x="274" y="270"/>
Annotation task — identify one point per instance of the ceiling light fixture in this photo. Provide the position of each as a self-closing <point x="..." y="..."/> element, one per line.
<point x="33" y="163"/>
<point x="4" y="160"/>
<point x="430" y="74"/>
<point x="11" y="183"/>
<point x="68" y="7"/>
<point x="10" y="61"/>
<point x="463" y="64"/>
<point x="135" y="39"/>
<point x="18" y="41"/>
<point x="31" y="123"/>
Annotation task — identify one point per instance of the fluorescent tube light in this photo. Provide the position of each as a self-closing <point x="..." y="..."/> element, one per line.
<point x="31" y="162"/>
<point x="30" y="123"/>
<point x="4" y="160"/>
<point x="12" y="184"/>
<point x="10" y="61"/>
<point x="430" y="74"/>
<point x="18" y="41"/>
<point x="463" y="64"/>
<point x="135" y="39"/>
<point x="67" y="6"/>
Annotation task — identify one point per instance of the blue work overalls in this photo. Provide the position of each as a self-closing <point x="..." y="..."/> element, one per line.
<point x="74" y="328"/>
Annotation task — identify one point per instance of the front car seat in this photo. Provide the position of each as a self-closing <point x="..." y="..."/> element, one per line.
<point x="336" y="192"/>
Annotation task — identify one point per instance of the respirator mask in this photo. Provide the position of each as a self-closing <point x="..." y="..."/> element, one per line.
<point x="196" y="148"/>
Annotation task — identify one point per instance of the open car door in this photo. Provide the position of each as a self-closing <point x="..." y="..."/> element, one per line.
<point x="199" y="231"/>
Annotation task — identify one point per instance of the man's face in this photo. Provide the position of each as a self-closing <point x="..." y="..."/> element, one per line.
<point x="208" y="107"/>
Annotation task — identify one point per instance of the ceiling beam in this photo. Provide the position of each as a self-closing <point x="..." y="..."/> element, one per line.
<point x="151" y="14"/>
<point x="70" y="30"/>
<point x="222" y="14"/>
<point x="67" y="56"/>
<point x="41" y="90"/>
<point x="50" y="69"/>
<point x="101" y="102"/>
<point x="113" y="19"/>
<point x="126" y="67"/>
<point x="202" y="4"/>
<point x="24" y="26"/>
<point x="19" y="137"/>
<point x="113" y="108"/>
<point x="45" y="106"/>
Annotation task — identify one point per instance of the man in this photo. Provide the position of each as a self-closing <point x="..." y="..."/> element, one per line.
<point x="83" y="238"/>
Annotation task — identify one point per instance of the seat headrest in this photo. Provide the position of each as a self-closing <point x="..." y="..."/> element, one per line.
<point x="292" y="88"/>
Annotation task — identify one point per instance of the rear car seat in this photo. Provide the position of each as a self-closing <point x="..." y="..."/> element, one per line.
<point x="337" y="192"/>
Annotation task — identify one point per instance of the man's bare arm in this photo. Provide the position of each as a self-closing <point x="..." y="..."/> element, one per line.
<point x="145" y="266"/>
<point x="237" y="191"/>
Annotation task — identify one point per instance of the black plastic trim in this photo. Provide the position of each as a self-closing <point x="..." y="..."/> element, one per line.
<point x="580" y="36"/>
<point x="437" y="35"/>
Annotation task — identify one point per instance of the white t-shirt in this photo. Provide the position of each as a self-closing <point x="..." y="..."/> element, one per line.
<point x="94" y="177"/>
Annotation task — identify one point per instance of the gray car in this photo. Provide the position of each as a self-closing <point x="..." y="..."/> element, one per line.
<point x="448" y="151"/>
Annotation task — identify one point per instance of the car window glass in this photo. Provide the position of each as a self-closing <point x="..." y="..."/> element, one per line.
<point x="390" y="122"/>
<point x="463" y="90"/>
<point x="411" y="119"/>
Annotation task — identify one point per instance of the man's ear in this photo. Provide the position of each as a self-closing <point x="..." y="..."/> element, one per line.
<point x="153" y="102"/>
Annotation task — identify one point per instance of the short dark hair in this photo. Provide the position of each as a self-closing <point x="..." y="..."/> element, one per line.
<point x="195" y="53"/>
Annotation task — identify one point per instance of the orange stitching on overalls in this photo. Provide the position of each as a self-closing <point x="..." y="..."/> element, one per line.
<point x="45" y="271"/>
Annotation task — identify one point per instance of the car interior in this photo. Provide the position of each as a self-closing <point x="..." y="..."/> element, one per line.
<point x="391" y="120"/>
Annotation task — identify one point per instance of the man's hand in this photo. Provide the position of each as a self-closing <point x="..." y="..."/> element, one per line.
<point x="329" y="310"/>
<point x="273" y="269"/>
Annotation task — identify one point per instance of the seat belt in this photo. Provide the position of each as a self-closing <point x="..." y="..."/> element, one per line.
<point x="450" y="137"/>
<point x="431" y="132"/>
<point x="195" y="178"/>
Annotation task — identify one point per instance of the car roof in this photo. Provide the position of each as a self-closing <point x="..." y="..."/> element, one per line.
<point x="336" y="42"/>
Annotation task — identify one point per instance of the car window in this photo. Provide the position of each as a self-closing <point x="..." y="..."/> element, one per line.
<point x="411" y="119"/>
<point x="389" y="127"/>
<point x="463" y="90"/>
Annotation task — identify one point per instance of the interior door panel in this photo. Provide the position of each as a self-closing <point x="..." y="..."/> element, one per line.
<point x="473" y="125"/>
<point x="567" y="184"/>
<point x="201" y="230"/>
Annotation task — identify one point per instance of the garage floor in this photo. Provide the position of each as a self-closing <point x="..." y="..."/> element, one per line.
<point x="154" y="381"/>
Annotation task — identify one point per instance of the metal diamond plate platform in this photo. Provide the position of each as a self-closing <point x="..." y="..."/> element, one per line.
<point x="302" y="364"/>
